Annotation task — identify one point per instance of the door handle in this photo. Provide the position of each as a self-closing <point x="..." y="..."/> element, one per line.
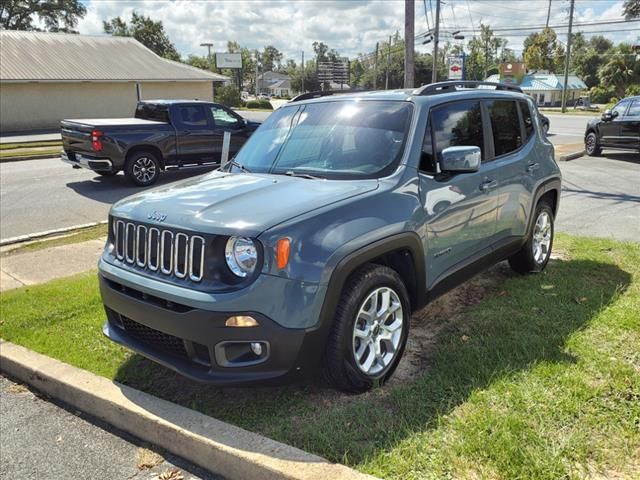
<point x="532" y="167"/>
<point x="488" y="185"/>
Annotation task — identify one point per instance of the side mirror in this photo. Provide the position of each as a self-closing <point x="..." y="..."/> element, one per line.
<point x="608" y="115"/>
<point x="461" y="159"/>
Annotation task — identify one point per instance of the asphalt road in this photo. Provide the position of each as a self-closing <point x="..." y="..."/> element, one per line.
<point x="45" y="441"/>
<point x="565" y="129"/>
<point x="40" y="195"/>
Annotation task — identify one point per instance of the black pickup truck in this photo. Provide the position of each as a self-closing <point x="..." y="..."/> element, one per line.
<point x="163" y="134"/>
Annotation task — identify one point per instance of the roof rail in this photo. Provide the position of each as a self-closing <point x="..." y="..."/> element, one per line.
<point x="452" y="86"/>
<point x="323" y="93"/>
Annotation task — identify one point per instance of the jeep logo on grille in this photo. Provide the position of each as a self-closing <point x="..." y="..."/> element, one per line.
<point x="158" y="217"/>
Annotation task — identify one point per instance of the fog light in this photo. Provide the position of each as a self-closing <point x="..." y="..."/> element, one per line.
<point x="256" y="348"/>
<point x="241" y="321"/>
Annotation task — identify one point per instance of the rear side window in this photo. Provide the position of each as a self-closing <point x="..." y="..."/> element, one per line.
<point x="505" y="124"/>
<point x="527" y="117"/>
<point x="457" y="124"/>
<point x="152" y="111"/>
<point x="192" y="115"/>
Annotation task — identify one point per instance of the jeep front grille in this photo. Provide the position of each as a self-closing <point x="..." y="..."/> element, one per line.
<point x="151" y="248"/>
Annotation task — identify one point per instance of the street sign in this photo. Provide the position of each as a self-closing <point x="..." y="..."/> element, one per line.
<point x="456" y="67"/>
<point x="334" y="71"/>
<point x="228" y="60"/>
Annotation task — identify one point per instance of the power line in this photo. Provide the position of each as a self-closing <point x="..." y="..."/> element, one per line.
<point x="540" y="27"/>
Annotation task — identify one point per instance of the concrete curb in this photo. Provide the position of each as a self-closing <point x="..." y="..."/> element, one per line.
<point x="30" y="157"/>
<point x="214" y="445"/>
<point x="571" y="156"/>
<point x="48" y="233"/>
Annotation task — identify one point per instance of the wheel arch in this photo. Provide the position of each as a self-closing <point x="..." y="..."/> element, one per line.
<point x="146" y="148"/>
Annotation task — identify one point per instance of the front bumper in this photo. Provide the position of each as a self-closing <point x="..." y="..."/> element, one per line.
<point x="78" y="160"/>
<point x="196" y="343"/>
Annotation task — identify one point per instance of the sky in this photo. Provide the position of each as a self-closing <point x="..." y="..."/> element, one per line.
<point x="349" y="26"/>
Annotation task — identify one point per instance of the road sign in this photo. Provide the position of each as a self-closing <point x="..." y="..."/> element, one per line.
<point x="228" y="60"/>
<point x="456" y="67"/>
<point x="334" y="71"/>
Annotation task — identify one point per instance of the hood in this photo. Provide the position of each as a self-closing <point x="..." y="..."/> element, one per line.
<point x="236" y="203"/>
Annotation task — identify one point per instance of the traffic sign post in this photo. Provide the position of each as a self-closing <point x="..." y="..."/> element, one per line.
<point x="455" y="67"/>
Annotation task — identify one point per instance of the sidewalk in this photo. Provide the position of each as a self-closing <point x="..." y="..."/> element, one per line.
<point x="40" y="266"/>
<point x="30" y="137"/>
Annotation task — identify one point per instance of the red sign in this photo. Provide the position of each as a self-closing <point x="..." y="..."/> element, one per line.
<point x="455" y="68"/>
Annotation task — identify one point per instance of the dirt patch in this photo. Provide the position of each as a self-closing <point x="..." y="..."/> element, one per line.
<point x="147" y="459"/>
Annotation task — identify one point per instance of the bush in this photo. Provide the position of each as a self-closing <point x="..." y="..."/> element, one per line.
<point x="229" y="96"/>
<point x="265" y="104"/>
<point x="601" y="94"/>
<point x="633" y="90"/>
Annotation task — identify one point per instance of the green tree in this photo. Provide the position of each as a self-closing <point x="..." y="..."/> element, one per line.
<point x="618" y="72"/>
<point x="483" y="53"/>
<point x="197" y="61"/>
<point x="631" y="9"/>
<point x="56" y="15"/>
<point x="271" y="58"/>
<point x="542" y="51"/>
<point x="600" y="44"/>
<point x="148" y="32"/>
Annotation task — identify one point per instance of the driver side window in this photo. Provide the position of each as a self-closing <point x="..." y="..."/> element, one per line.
<point x="621" y="108"/>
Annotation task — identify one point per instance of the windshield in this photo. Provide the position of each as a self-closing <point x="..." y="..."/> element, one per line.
<point x="340" y="139"/>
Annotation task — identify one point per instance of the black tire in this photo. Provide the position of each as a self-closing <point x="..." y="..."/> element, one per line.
<point x="592" y="146"/>
<point x="341" y="366"/>
<point x="545" y="129"/>
<point x="142" y="168"/>
<point x="108" y="174"/>
<point x="526" y="260"/>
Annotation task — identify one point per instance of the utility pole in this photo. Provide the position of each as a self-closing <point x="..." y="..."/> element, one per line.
<point x="409" y="40"/>
<point x="375" y="69"/>
<point x="386" y="80"/>
<point x="548" y="14"/>
<point x="256" y="89"/>
<point x="213" y="84"/>
<point x="302" y="77"/>
<point x="434" y="66"/>
<point x="566" y="60"/>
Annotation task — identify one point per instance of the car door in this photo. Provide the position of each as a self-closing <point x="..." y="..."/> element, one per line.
<point x="195" y="133"/>
<point x="226" y="120"/>
<point x="514" y="161"/>
<point x="610" y="130"/>
<point x="460" y="209"/>
<point x="630" y="126"/>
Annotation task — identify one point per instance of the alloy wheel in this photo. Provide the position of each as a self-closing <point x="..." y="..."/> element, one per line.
<point x="377" y="331"/>
<point x="541" y="237"/>
<point x="144" y="169"/>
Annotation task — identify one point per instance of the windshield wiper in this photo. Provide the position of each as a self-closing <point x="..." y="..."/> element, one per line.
<point x="237" y="165"/>
<point x="291" y="173"/>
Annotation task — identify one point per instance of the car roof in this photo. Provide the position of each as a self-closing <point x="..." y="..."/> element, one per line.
<point x="171" y="101"/>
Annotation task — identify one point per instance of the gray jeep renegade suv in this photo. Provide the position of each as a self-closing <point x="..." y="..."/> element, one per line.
<point x="340" y="216"/>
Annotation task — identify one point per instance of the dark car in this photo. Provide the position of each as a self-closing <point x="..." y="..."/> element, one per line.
<point x="340" y="216"/>
<point x="544" y="120"/>
<point x="163" y="134"/>
<point x="617" y="128"/>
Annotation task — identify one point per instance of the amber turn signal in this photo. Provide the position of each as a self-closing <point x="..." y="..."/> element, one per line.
<point x="282" y="252"/>
<point x="241" y="321"/>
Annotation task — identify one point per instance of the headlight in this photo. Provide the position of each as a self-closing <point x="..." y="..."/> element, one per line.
<point x="241" y="255"/>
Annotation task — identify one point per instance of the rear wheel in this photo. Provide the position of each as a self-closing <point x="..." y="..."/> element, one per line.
<point x="370" y="330"/>
<point x="535" y="253"/>
<point x="142" y="168"/>
<point x="591" y="145"/>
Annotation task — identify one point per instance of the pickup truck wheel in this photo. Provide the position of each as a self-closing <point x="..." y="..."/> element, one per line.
<point x="370" y="330"/>
<point x="535" y="253"/>
<point x="142" y="168"/>
<point x="591" y="145"/>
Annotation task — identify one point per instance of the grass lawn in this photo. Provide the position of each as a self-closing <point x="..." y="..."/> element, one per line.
<point x="538" y="379"/>
<point x="17" y="145"/>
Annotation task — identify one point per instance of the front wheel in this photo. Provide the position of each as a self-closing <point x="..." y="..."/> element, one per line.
<point x="535" y="253"/>
<point x="142" y="168"/>
<point x="591" y="145"/>
<point x="370" y="330"/>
